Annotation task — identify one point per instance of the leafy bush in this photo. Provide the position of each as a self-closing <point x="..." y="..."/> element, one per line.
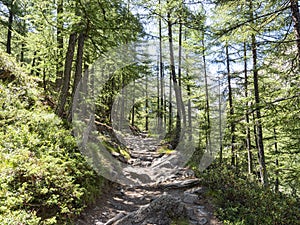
<point x="241" y="200"/>
<point x="43" y="177"/>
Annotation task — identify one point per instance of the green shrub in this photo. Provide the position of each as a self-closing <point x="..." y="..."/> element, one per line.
<point x="241" y="200"/>
<point x="43" y="177"/>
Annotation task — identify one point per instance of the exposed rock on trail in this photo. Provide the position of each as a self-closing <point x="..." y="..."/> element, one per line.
<point x="176" y="197"/>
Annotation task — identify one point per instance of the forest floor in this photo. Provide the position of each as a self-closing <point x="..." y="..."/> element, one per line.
<point x="178" y="199"/>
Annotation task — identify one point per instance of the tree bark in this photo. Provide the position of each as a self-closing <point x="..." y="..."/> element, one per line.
<point x="220" y="125"/>
<point x="183" y="113"/>
<point x="179" y="103"/>
<point x="161" y="115"/>
<point x="207" y="106"/>
<point x="133" y="105"/>
<point x="175" y="140"/>
<point x="78" y="69"/>
<point x="231" y="109"/>
<point x="147" y="106"/>
<point x="261" y="153"/>
<point x="170" y="106"/>
<point x="296" y="20"/>
<point x="67" y="76"/>
<point x="248" y="133"/>
<point x="9" y="30"/>
<point x="159" y="119"/>
<point x="60" y="45"/>
<point x="276" y="162"/>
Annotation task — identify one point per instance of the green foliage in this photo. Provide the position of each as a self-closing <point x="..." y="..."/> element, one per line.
<point x="43" y="177"/>
<point x="240" y="200"/>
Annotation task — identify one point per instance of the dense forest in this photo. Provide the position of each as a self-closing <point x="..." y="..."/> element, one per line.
<point x="223" y="75"/>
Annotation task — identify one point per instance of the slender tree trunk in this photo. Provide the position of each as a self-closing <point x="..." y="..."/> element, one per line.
<point x="175" y="140"/>
<point x="85" y="88"/>
<point x="183" y="113"/>
<point x="60" y="45"/>
<point x="9" y="30"/>
<point x="147" y="106"/>
<point x="255" y="136"/>
<point x="122" y="113"/>
<point x="170" y="106"/>
<point x="179" y="103"/>
<point x="296" y="20"/>
<point x="22" y="53"/>
<point x="161" y="68"/>
<point x="78" y="70"/>
<point x="276" y="162"/>
<point x="220" y="125"/>
<point x="248" y="133"/>
<point x="189" y="92"/>
<point x="133" y="105"/>
<point x="67" y="75"/>
<point x="262" y="164"/>
<point x="231" y="109"/>
<point x="33" y="63"/>
<point x="161" y="73"/>
<point x="207" y="105"/>
<point x="158" y="98"/>
<point x="44" y="80"/>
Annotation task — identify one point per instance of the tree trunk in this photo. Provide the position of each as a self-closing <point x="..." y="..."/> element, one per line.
<point x="147" y="106"/>
<point x="183" y="113"/>
<point x="189" y="92"/>
<point x="296" y="20"/>
<point x="261" y="153"/>
<point x="78" y="70"/>
<point x="248" y="133"/>
<point x="220" y="126"/>
<point x="67" y="75"/>
<point x="9" y="30"/>
<point x="159" y="119"/>
<point x="85" y="87"/>
<point x="122" y="113"/>
<point x="276" y="162"/>
<point x="174" y="140"/>
<point x="170" y="106"/>
<point x="231" y="109"/>
<point x="60" y="45"/>
<point x="162" y="114"/>
<point x="207" y="105"/>
<point x="133" y="105"/>
<point x="33" y="63"/>
<point x="179" y="103"/>
<point x="22" y="52"/>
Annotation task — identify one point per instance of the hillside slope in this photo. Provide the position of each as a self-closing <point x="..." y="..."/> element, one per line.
<point x="43" y="177"/>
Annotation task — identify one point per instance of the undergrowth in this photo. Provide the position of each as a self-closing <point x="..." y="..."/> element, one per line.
<point x="43" y="177"/>
<point x="240" y="200"/>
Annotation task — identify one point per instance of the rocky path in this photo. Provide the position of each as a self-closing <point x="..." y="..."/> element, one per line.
<point x="176" y="199"/>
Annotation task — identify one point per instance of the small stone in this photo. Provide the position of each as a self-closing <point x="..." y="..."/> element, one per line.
<point x="98" y="223"/>
<point x="196" y="190"/>
<point x="191" y="214"/>
<point x="201" y="211"/>
<point x="190" y="198"/>
<point x="202" y="221"/>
